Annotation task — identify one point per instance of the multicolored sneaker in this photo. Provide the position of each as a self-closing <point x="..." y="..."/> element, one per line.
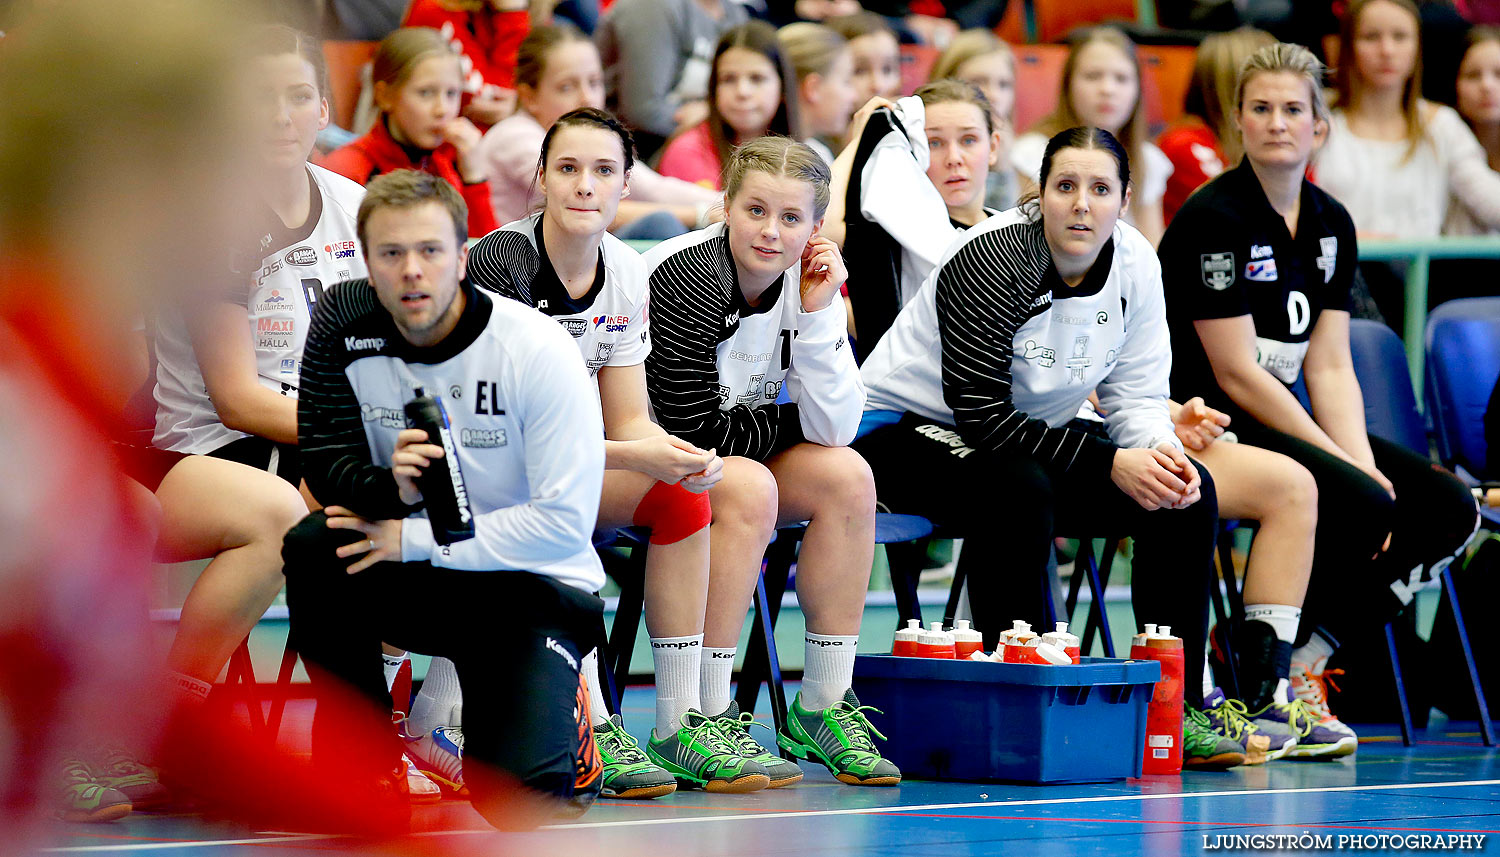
<point x="1311" y="738"/>
<point x="82" y="798"/>
<point x="1310" y="684"/>
<point x="628" y="773"/>
<point x="736" y="728"/>
<point x="698" y="755"/>
<point x="420" y="786"/>
<point x="839" y="737"/>
<point x="588" y="765"/>
<point x="1205" y="749"/>
<point x="114" y="768"/>
<point x="439" y="754"/>
<point x="1227" y="717"/>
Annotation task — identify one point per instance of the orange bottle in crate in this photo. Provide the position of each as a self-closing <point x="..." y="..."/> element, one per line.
<point x="905" y="645"/>
<point x="1163" y="754"/>
<point x="1015" y="646"/>
<point x="966" y="640"/>
<point x="935" y="643"/>
<point x="1063" y="640"/>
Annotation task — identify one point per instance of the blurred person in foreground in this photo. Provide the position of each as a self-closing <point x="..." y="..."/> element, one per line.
<point x="88" y="242"/>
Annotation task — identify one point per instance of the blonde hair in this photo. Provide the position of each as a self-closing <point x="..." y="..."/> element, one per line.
<point x="783" y="157"/>
<point x="1213" y="92"/>
<point x="1347" y="84"/>
<point x="969" y="45"/>
<point x="1132" y="135"/>
<point x="531" y="56"/>
<point x="400" y="52"/>
<point x="810" y="48"/>
<point x="1290" y="59"/>
<point x="949" y="90"/>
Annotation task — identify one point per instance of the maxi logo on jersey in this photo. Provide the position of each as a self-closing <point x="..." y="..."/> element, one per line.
<point x="612" y="323"/>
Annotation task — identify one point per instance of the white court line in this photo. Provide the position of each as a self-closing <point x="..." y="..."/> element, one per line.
<point x="886" y="810"/>
<point x="814" y="813"/>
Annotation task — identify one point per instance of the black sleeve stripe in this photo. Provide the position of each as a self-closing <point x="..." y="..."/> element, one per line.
<point x="690" y="297"/>
<point x="505" y="263"/>
<point x="984" y="295"/>
<point x="333" y="448"/>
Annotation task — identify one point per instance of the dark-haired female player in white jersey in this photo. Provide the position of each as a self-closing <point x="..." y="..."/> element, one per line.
<point x="740" y="312"/>
<point x="228" y="369"/>
<point x="562" y="261"/>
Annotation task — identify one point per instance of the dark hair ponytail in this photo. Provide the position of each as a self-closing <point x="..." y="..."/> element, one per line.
<point x="1082" y="137"/>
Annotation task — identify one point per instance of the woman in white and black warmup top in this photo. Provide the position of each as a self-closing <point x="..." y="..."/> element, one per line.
<point x="1258" y="266"/>
<point x="741" y="311"/>
<point x="233" y="513"/>
<point x="227" y="376"/>
<point x="920" y="166"/>
<point x="563" y="261"/>
<point x="1021" y="320"/>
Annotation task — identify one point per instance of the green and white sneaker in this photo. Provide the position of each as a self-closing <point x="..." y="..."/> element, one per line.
<point x="115" y="768"/>
<point x="82" y="798"/>
<point x="1205" y="749"/>
<point x="627" y="771"/>
<point x="736" y="728"/>
<point x="839" y="737"/>
<point x="698" y="755"/>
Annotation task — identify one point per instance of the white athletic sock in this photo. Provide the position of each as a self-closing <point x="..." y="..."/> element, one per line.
<point x="828" y="671"/>
<point x="434" y="706"/>
<point x="714" y="672"/>
<point x="677" y="661"/>
<point x="598" y="709"/>
<point x="190" y="689"/>
<point x="1283" y="618"/>
<point x="1317" y="649"/>
<point x="392" y="665"/>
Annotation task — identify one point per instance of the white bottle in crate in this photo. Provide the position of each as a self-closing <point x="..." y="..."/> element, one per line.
<point x="935" y="643"/>
<point x="1060" y="638"/>
<point x="966" y="640"/>
<point x="906" y="639"/>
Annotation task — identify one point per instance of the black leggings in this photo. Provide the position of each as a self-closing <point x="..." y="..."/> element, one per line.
<point x="1430" y="522"/>
<point x="518" y="667"/>
<point x="1007" y="509"/>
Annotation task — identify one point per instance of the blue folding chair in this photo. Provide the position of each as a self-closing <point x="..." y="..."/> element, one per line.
<point x="1463" y="363"/>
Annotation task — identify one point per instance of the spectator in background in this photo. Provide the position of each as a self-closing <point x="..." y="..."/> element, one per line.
<point x="1204" y="142"/>
<point x="824" y="66"/>
<point x="485" y="34"/>
<point x="752" y="92"/>
<point x="877" y="54"/>
<point x="981" y="58"/>
<point x="1479" y="105"/>
<point x="418" y="84"/>
<point x="558" y="70"/>
<point x="657" y="57"/>
<point x="1101" y="87"/>
<point x="1422" y="152"/>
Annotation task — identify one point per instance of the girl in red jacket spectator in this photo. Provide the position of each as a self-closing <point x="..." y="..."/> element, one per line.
<point x="1203" y="142"/>
<point x="486" y="35"/>
<point x="418" y="83"/>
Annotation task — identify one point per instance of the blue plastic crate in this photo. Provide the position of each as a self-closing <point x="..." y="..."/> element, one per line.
<point x="1034" y="723"/>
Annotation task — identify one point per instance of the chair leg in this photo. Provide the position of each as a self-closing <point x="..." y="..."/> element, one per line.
<point x="762" y="648"/>
<point x="609" y="686"/>
<point x="241" y="682"/>
<point x="766" y="625"/>
<point x="1390" y="646"/>
<point x="1486" y="728"/>
<point x="621" y="647"/>
<point x="955" y="595"/>
<point x="1070" y="604"/>
<point x="1096" y="589"/>
<point x="905" y="563"/>
<point x="283" y="690"/>
<point x="1081" y="563"/>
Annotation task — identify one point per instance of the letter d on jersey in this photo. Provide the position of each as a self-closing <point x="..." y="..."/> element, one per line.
<point x="1298" y="313"/>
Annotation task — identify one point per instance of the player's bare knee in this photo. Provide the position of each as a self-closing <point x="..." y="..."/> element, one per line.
<point x="749" y="500"/>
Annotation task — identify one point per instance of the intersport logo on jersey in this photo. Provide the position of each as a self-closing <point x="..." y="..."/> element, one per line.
<point x="341" y="249"/>
<point x="612" y="323"/>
